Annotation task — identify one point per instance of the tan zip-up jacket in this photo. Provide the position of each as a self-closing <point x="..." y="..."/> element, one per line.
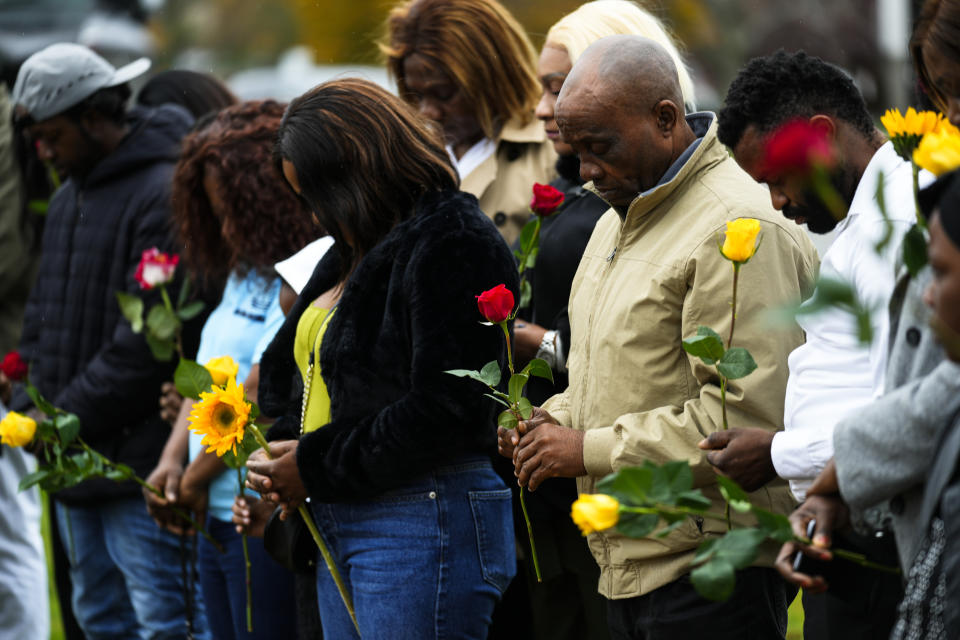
<point x="503" y="183"/>
<point x="645" y="283"/>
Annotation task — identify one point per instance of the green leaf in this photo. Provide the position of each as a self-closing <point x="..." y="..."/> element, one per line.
<point x="162" y="350"/>
<point x="191" y="379"/>
<point x="162" y="322"/>
<point x="539" y="368"/>
<point x="739" y="547"/>
<point x="732" y="493"/>
<point x="915" y="250"/>
<point x="515" y="389"/>
<point x="238" y="460"/>
<point x="68" y="427"/>
<point x="191" y="311"/>
<point x="526" y="293"/>
<point x="529" y="235"/>
<point x="629" y="485"/>
<point x="40" y="402"/>
<point x="496" y="399"/>
<point x="706" y="345"/>
<point x="532" y="258"/>
<point x="669" y="480"/>
<point x="38" y="207"/>
<point x="507" y="420"/>
<point x="184" y="292"/>
<point x="714" y="580"/>
<point x="525" y="408"/>
<point x="490" y="373"/>
<point x="694" y="499"/>
<point x="132" y="309"/>
<point x="736" y="363"/>
<point x="116" y="474"/>
<point x="670" y="528"/>
<point x="637" y="525"/>
<point x="775" y="525"/>
<point x="31" y="479"/>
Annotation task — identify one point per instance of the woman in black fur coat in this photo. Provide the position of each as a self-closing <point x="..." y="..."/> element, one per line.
<point x="396" y="462"/>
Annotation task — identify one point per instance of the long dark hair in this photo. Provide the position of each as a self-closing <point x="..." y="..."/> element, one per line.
<point x="938" y="26"/>
<point x="267" y="222"/>
<point x="363" y="158"/>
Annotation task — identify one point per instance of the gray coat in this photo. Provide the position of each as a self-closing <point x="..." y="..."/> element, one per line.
<point x="883" y="451"/>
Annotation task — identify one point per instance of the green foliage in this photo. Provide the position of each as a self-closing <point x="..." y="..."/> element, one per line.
<point x="68" y="426"/>
<point x="526" y="293"/>
<point x="132" y="309"/>
<point x="190" y="311"/>
<point x="488" y="375"/>
<point x="191" y="379"/>
<point x="736" y="363"/>
<point x="162" y="350"/>
<point x="539" y="368"/>
<point x="507" y="420"/>
<point x="735" y="496"/>
<point x="706" y="345"/>
<point x="40" y="402"/>
<point x="915" y="250"/>
<point x="515" y="388"/>
<point x="246" y="447"/>
<point x="162" y="323"/>
<point x="834" y="293"/>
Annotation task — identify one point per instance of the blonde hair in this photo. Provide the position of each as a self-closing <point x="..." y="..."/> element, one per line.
<point x="594" y="20"/>
<point x="480" y="44"/>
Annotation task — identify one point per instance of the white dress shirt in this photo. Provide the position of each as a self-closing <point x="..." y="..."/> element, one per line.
<point x="832" y="374"/>
<point x="473" y="157"/>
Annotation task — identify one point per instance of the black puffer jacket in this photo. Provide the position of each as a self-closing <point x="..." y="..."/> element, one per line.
<point x="407" y="314"/>
<point x="82" y="353"/>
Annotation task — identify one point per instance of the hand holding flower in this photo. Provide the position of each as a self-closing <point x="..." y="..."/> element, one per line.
<point x="277" y="480"/>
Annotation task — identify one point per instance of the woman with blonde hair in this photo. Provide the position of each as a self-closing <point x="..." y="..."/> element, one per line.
<point x="468" y="66"/>
<point x="570" y="573"/>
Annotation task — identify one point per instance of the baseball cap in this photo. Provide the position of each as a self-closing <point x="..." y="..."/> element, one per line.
<point x="56" y="78"/>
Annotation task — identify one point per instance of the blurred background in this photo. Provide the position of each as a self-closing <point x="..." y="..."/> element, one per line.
<point x="280" y="48"/>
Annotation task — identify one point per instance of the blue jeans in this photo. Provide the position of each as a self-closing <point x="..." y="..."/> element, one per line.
<point x="223" y="581"/>
<point x="427" y="560"/>
<point x="126" y="573"/>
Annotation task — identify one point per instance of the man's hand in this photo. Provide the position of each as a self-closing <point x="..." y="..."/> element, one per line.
<point x="277" y="480"/>
<point x="830" y="514"/>
<point x="826" y="483"/>
<point x="166" y="478"/>
<point x="743" y="455"/>
<point x="170" y="401"/>
<point x="547" y="450"/>
<point x="508" y="439"/>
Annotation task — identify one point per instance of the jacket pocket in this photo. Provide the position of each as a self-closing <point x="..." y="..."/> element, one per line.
<point x="492" y="518"/>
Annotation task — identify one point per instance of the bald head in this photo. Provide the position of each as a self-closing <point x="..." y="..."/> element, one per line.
<point x="621" y="110"/>
<point x="629" y="71"/>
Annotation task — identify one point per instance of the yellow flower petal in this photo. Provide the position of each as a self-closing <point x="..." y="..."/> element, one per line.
<point x="17" y="430"/>
<point x="740" y="242"/>
<point x="939" y="152"/>
<point x="221" y="417"/>
<point x="595" y="512"/>
<point x="222" y="369"/>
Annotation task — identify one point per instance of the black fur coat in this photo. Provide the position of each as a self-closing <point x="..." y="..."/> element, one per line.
<point x="408" y="313"/>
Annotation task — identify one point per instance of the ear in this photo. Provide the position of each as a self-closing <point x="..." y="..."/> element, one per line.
<point x="668" y="116"/>
<point x="825" y="123"/>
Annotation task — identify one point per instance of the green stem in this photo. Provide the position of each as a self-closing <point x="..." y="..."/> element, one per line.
<point x="506" y="333"/>
<point x="921" y="221"/>
<point x="723" y="399"/>
<point x="178" y="342"/>
<point x="533" y="243"/>
<point x="246" y="563"/>
<point x="107" y="462"/>
<point x="733" y="305"/>
<point x="533" y="546"/>
<point x="315" y="533"/>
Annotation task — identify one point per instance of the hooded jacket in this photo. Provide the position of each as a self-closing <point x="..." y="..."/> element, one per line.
<point x="646" y="281"/>
<point x="82" y="353"/>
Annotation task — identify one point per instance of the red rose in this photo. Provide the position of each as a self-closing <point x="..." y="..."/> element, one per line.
<point x="796" y="148"/>
<point x="155" y="268"/>
<point x="546" y="199"/>
<point x="13" y="366"/>
<point x="496" y="304"/>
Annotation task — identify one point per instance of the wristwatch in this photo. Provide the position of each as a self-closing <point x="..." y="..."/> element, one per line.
<point x="548" y="349"/>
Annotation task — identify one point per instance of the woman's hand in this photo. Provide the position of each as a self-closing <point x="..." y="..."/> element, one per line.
<point x="170" y="402"/>
<point x="251" y="515"/>
<point x="526" y="340"/>
<point x="277" y="480"/>
<point x="166" y="478"/>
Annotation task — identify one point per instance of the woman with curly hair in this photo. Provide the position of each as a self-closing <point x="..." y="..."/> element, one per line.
<point x="469" y="67"/>
<point x="394" y="453"/>
<point x="236" y="218"/>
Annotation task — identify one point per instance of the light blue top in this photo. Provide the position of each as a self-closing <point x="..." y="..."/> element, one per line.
<point x="241" y="326"/>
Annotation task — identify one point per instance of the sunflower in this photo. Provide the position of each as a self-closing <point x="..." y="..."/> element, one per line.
<point x="906" y="130"/>
<point x="221" y="417"/>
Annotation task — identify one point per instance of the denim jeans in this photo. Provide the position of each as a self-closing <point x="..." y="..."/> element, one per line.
<point x="126" y="573"/>
<point x="427" y="560"/>
<point x="223" y="581"/>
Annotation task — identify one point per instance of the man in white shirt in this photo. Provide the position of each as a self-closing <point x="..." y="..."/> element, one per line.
<point x="832" y="374"/>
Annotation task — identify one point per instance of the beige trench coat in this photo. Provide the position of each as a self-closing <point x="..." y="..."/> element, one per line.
<point x="645" y="283"/>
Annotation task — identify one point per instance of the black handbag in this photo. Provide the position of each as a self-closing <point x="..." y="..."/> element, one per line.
<point x="289" y="542"/>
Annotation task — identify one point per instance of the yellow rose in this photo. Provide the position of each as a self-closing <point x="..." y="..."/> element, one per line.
<point x="741" y="239"/>
<point x="16" y="430"/>
<point x="938" y="152"/>
<point x="595" y="512"/>
<point x="222" y="370"/>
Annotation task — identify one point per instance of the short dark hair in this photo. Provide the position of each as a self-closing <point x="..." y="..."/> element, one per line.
<point x="110" y="103"/>
<point x="199" y="93"/>
<point x="363" y="158"/>
<point x="771" y="90"/>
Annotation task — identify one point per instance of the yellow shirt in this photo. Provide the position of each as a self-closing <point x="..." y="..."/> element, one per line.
<point x="310" y="330"/>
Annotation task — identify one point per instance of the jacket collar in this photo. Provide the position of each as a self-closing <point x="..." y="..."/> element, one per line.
<point x="477" y="181"/>
<point x="705" y="151"/>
